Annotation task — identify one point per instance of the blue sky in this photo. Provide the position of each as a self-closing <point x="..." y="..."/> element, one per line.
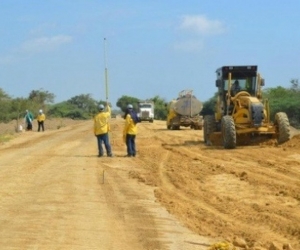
<point x="152" y="47"/>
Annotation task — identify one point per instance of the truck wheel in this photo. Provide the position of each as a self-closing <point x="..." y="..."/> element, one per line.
<point x="209" y="127"/>
<point x="282" y="127"/>
<point x="175" y="127"/>
<point x="194" y="126"/>
<point x="198" y="127"/>
<point x="228" y="132"/>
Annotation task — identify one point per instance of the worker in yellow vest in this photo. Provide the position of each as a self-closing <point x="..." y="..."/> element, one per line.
<point x="101" y="129"/>
<point x="40" y="119"/>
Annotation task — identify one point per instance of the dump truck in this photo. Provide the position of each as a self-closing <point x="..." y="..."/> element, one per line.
<point x="146" y="110"/>
<point x="185" y="112"/>
<point x="241" y="114"/>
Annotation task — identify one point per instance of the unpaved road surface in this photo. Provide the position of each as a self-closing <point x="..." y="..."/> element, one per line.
<point x="176" y="194"/>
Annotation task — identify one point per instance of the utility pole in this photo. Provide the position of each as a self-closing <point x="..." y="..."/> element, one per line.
<point x="105" y="72"/>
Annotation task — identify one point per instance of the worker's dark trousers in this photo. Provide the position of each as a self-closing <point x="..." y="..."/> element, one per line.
<point x="41" y="126"/>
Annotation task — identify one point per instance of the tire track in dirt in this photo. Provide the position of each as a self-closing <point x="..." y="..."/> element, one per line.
<point x="245" y="178"/>
<point x="233" y="183"/>
<point x="151" y="155"/>
<point x="131" y="217"/>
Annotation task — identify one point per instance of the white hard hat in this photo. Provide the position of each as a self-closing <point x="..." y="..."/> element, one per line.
<point x="101" y="107"/>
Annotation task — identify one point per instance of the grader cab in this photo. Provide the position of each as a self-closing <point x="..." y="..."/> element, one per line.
<point x="240" y="112"/>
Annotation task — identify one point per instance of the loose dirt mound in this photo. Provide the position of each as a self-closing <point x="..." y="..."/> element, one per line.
<point x="251" y="192"/>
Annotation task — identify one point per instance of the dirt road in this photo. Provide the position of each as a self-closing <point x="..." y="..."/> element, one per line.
<point x="176" y="194"/>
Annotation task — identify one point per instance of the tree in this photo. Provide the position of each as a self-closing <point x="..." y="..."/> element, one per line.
<point x="41" y="97"/>
<point x="3" y="95"/>
<point x="38" y="99"/>
<point x="295" y="85"/>
<point x="159" y="105"/>
<point x="18" y="107"/>
<point x="125" y="100"/>
<point x="285" y="100"/>
<point x="84" y="102"/>
<point x="209" y="106"/>
<point x="160" y="110"/>
<point x="5" y="100"/>
<point x="78" y="107"/>
<point x="60" y="109"/>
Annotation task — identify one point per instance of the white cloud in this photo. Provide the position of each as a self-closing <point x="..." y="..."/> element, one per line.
<point x="202" y="25"/>
<point x="45" y="43"/>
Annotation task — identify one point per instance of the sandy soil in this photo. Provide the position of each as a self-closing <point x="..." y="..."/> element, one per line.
<point x="176" y="194"/>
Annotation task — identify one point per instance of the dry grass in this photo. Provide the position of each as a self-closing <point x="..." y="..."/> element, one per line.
<point x="8" y="130"/>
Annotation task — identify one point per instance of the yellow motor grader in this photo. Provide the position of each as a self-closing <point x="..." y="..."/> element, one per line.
<point x="240" y="112"/>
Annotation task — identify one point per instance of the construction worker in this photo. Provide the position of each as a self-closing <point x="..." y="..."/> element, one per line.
<point x="28" y="120"/>
<point x="40" y="119"/>
<point x="101" y="129"/>
<point x="235" y="88"/>
<point x="130" y="130"/>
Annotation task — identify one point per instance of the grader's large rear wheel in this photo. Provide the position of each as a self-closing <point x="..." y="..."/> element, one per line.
<point x="282" y="127"/>
<point x="228" y="132"/>
<point x="209" y="127"/>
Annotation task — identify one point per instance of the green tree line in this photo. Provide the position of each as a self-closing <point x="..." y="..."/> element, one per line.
<point x="84" y="107"/>
<point x="80" y="107"/>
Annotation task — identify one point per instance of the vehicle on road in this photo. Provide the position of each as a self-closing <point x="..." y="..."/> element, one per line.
<point x="146" y="111"/>
<point x="241" y="114"/>
<point x="185" y="112"/>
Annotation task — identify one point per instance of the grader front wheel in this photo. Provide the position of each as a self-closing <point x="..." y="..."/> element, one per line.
<point x="228" y="132"/>
<point x="282" y="127"/>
